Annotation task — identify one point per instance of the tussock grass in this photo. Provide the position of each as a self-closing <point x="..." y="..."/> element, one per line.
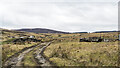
<point x="83" y="53"/>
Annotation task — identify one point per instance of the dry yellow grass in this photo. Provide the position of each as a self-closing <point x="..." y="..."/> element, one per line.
<point x="83" y="53"/>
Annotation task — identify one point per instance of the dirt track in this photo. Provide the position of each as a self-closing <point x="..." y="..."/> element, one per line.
<point x="39" y="58"/>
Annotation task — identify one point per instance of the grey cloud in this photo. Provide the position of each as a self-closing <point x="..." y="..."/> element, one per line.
<point x="60" y="16"/>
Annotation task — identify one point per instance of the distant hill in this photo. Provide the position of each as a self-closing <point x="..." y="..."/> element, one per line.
<point x="41" y="30"/>
<point x="80" y="32"/>
<point x="104" y="31"/>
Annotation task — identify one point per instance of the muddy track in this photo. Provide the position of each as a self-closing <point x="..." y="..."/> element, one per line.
<point x="16" y="60"/>
<point x="39" y="56"/>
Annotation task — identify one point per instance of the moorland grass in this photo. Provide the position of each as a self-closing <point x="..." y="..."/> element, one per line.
<point x="83" y="53"/>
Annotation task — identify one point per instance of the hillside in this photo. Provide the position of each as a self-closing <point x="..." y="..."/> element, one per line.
<point x="41" y="30"/>
<point x="65" y="49"/>
<point x="104" y="31"/>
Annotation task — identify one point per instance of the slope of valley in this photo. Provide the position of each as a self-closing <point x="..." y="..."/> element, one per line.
<point x="58" y="49"/>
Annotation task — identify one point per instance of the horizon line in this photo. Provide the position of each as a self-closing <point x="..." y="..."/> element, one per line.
<point x="59" y="30"/>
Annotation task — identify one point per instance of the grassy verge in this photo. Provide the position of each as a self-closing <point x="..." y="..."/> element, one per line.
<point x="83" y="53"/>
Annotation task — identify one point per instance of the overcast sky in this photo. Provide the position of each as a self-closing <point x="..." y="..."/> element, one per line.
<point x="63" y="15"/>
